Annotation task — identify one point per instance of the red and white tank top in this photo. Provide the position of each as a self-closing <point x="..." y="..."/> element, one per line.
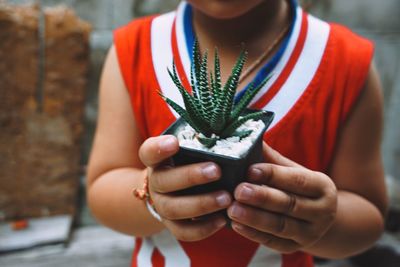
<point x="316" y="83"/>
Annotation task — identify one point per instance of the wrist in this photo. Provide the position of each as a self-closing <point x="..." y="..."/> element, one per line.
<point x="144" y="195"/>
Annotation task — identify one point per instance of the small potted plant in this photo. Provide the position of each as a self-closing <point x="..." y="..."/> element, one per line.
<point x="212" y="127"/>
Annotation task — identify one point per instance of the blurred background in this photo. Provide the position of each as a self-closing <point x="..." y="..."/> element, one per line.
<point x="51" y="55"/>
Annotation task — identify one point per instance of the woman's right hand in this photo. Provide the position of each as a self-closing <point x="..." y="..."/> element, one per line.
<point x="182" y="215"/>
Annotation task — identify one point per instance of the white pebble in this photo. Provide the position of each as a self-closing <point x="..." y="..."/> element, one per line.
<point x="231" y="146"/>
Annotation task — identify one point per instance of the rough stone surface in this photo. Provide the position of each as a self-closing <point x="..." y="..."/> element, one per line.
<point x="41" y="126"/>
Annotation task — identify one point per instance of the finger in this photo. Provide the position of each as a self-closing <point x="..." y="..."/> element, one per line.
<point x="274" y="157"/>
<point x="279" y="244"/>
<point x="190" y="206"/>
<point x="272" y="223"/>
<point x="157" y="149"/>
<point x="278" y="201"/>
<point x="166" y="179"/>
<point x="290" y="179"/>
<point x="195" y="230"/>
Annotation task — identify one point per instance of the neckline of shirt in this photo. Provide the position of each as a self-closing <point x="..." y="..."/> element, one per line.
<point x="266" y="69"/>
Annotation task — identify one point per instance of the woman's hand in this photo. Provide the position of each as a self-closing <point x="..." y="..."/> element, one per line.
<point x="182" y="214"/>
<point x="283" y="206"/>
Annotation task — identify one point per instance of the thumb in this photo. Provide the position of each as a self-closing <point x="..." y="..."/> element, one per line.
<point x="155" y="150"/>
<point x="274" y="157"/>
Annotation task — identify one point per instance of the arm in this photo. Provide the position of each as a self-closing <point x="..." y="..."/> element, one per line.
<point x="357" y="171"/>
<point x="114" y="168"/>
<point x="120" y="160"/>
<point x="332" y="217"/>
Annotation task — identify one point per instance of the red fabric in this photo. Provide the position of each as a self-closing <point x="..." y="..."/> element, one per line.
<point x="221" y="248"/>
<point x="157" y="259"/>
<point x="297" y="259"/>
<point x="307" y="134"/>
<point x="138" y="245"/>
<point x="133" y="48"/>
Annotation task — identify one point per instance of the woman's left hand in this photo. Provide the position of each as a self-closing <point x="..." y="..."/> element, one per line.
<point x="283" y="206"/>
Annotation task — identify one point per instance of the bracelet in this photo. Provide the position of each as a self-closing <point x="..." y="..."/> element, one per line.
<point x="153" y="211"/>
<point x="143" y="194"/>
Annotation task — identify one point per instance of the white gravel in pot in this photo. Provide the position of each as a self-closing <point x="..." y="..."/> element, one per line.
<point x="231" y="146"/>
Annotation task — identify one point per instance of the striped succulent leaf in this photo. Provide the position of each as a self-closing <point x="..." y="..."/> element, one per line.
<point x="217" y="74"/>
<point x="229" y="90"/>
<point x="193" y="83"/>
<point x="212" y="86"/>
<point x="181" y="111"/>
<point x="230" y="129"/>
<point x="196" y="66"/>
<point x="192" y="105"/>
<point x="250" y="93"/>
<point x="207" y="141"/>
<point x="242" y="134"/>
<point x="204" y="90"/>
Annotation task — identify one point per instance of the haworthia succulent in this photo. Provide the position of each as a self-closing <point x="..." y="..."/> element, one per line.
<point x="210" y="109"/>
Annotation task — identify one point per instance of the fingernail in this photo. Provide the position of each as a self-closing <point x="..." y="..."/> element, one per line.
<point x="168" y="144"/>
<point x="223" y="200"/>
<point x="245" y="193"/>
<point x="237" y="226"/>
<point x="237" y="211"/>
<point x="210" y="171"/>
<point x="220" y="223"/>
<point x="255" y="173"/>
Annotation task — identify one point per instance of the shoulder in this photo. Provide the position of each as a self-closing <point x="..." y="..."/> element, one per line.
<point x="132" y="46"/>
<point x="129" y="34"/>
<point x="350" y="44"/>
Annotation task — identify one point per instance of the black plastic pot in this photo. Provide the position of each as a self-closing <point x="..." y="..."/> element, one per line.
<point x="233" y="170"/>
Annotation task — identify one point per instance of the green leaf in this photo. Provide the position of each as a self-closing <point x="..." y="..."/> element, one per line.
<point x="212" y="85"/>
<point x="247" y="98"/>
<point x="230" y="87"/>
<point x="217" y="74"/>
<point x="181" y="111"/>
<point x="207" y="141"/>
<point x="217" y="120"/>
<point x="193" y="82"/>
<point x="204" y="90"/>
<point x="196" y="63"/>
<point x="242" y="134"/>
<point x="194" y="68"/>
<point x="234" y="125"/>
<point x="192" y="105"/>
